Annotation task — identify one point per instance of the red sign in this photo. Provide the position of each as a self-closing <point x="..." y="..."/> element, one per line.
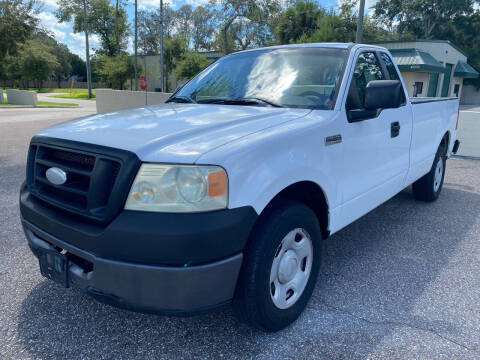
<point x="142" y="82"/>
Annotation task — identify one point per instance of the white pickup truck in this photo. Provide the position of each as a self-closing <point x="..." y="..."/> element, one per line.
<point x="225" y="193"/>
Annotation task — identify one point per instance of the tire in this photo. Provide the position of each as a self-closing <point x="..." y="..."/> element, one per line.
<point x="255" y="296"/>
<point x="428" y="187"/>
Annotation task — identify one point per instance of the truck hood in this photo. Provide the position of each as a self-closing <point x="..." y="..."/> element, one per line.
<point x="172" y="132"/>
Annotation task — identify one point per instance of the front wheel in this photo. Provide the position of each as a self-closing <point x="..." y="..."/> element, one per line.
<point x="280" y="267"/>
<point x="428" y="187"/>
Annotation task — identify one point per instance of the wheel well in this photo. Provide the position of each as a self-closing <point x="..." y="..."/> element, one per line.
<point x="445" y="141"/>
<point x="311" y="195"/>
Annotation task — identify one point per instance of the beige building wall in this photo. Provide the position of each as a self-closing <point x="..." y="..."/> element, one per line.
<point x="409" y="78"/>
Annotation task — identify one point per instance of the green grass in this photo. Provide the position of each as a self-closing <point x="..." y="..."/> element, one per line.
<point x="50" y="103"/>
<point x="79" y="94"/>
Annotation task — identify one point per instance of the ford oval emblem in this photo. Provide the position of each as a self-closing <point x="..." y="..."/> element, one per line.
<point x="56" y="176"/>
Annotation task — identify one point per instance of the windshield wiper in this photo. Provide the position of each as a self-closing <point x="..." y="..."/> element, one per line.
<point x="240" y="101"/>
<point x="181" y="99"/>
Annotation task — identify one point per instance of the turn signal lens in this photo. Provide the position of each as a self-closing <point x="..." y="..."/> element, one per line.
<point x="217" y="183"/>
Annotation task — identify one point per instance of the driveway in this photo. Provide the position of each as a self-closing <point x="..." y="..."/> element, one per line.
<point x="29" y="114"/>
<point x="400" y="283"/>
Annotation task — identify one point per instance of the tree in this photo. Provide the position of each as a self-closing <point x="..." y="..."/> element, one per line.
<point x="114" y="70"/>
<point x="191" y="64"/>
<point x="183" y="20"/>
<point x="420" y="17"/>
<point x="174" y="49"/>
<point x="79" y="68"/>
<point x="149" y="28"/>
<point x="37" y="61"/>
<point x="103" y="19"/>
<point x="17" y="24"/>
<point x="257" y="11"/>
<point x="203" y="26"/>
<point x="295" y="22"/>
<point x="306" y="22"/>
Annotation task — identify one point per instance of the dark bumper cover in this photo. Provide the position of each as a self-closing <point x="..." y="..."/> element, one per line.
<point x="147" y="237"/>
<point x="149" y="262"/>
<point x="140" y="287"/>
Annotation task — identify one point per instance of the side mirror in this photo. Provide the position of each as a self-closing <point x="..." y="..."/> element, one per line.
<point x="383" y="94"/>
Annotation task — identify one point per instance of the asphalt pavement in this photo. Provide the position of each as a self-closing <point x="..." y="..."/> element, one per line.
<point x="400" y="283"/>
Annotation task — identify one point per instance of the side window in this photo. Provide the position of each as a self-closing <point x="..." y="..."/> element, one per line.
<point x="390" y="67"/>
<point x="366" y="70"/>
<point x="392" y="71"/>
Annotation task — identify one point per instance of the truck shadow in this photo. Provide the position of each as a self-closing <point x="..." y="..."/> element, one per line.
<point x="373" y="273"/>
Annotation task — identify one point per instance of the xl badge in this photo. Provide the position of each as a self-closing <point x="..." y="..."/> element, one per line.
<point x="56" y="176"/>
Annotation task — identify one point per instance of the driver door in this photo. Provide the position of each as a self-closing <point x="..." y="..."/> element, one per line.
<point x="375" y="159"/>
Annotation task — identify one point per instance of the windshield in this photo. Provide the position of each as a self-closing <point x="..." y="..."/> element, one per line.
<point x="289" y="77"/>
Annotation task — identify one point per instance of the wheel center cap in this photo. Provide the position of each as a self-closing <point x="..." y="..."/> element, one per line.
<point x="287" y="267"/>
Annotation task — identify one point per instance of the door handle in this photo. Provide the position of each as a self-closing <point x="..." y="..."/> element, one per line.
<point x="394" y="129"/>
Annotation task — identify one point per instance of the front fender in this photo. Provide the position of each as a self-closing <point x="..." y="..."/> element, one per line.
<point x="261" y="165"/>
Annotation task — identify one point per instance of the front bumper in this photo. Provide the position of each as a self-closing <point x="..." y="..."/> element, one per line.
<point x="140" y="287"/>
<point x="149" y="262"/>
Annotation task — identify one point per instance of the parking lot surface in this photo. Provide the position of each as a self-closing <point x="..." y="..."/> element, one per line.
<point x="400" y="283"/>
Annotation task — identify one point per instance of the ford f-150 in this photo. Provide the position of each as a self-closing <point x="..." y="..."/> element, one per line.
<point x="224" y="193"/>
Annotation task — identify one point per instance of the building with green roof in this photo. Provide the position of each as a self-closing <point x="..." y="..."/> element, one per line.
<point x="431" y="67"/>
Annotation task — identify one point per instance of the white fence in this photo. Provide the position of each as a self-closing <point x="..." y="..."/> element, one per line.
<point x="21" y="97"/>
<point x="111" y="100"/>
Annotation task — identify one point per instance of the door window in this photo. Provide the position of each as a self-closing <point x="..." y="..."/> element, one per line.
<point x="390" y="67"/>
<point x="367" y="69"/>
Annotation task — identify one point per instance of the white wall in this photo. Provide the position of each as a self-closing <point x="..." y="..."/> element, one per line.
<point x="21" y="97"/>
<point x="410" y="77"/>
<point x="110" y="100"/>
<point x="470" y="95"/>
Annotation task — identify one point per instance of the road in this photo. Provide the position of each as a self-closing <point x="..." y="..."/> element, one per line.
<point x="86" y="107"/>
<point x="400" y="283"/>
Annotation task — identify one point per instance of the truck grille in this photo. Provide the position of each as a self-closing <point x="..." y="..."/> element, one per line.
<point x="97" y="182"/>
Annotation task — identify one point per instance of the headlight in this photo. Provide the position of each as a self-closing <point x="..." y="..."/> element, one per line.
<point x="178" y="188"/>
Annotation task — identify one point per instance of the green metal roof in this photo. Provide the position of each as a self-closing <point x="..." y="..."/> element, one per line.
<point x="416" y="60"/>
<point x="462" y="69"/>
<point x="422" y="40"/>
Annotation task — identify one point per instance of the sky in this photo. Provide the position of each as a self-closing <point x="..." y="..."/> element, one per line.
<point x="63" y="32"/>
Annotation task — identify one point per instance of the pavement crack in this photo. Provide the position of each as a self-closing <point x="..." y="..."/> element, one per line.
<point x="399" y="323"/>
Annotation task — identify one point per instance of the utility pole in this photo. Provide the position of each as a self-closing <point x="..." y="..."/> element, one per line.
<point x="360" y="22"/>
<point x="85" y="28"/>
<point x="162" y="75"/>
<point x="136" y="38"/>
<point x="116" y="29"/>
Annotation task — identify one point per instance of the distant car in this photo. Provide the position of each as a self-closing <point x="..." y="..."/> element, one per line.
<point x="225" y="192"/>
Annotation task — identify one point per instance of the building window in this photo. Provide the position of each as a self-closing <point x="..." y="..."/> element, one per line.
<point x="417" y="88"/>
<point x="456" y="89"/>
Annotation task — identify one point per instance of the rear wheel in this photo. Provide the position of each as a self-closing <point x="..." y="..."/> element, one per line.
<point x="280" y="267"/>
<point x="428" y="187"/>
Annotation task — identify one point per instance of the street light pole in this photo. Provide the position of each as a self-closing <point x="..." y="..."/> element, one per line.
<point x="85" y="28"/>
<point x="360" y="22"/>
<point x="136" y="39"/>
<point x="162" y="75"/>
